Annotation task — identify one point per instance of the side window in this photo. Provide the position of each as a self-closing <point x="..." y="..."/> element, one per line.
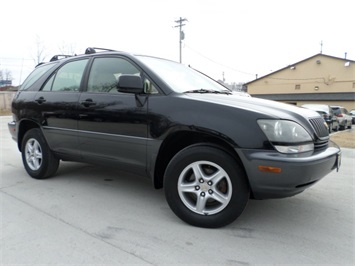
<point x="38" y="72"/>
<point x="105" y="72"/>
<point x="67" y="78"/>
<point x="149" y="87"/>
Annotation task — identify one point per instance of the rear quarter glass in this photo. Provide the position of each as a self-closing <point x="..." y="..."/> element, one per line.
<point x="36" y="74"/>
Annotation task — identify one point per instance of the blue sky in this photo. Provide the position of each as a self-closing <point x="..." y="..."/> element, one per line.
<point x="237" y="38"/>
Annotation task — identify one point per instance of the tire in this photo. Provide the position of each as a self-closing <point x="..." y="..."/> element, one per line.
<point x="206" y="187"/>
<point x="38" y="160"/>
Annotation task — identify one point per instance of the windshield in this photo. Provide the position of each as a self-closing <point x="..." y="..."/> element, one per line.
<point x="182" y="78"/>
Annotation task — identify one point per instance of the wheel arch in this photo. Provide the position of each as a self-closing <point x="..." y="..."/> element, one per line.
<point x="177" y="141"/>
<point x="24" y="126"/>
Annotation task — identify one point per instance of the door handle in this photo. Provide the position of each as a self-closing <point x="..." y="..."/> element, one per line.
<point x="88" y="103"/>
<point x="40" y="100"/>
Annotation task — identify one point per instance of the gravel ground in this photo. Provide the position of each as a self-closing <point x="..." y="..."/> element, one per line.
<point x="5" y="112"/>
<point x="344" y="139"/>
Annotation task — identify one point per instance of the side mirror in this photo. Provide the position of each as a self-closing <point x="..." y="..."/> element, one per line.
<point x="130" y="84"/>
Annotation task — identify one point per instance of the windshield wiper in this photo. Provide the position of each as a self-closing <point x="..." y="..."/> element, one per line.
<point x="208" y="91"/>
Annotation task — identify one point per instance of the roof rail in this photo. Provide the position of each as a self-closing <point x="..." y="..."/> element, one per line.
<point x="92" y="50"/>
<point x="59" y="56"/>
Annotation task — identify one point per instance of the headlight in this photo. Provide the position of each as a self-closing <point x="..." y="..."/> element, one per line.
<point x="287" y="136"/>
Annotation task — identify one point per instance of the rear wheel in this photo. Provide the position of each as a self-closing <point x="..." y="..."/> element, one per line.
<point x="206" y="187"/>
<point x="350" y="125"/>
<point x="37" y="158"/>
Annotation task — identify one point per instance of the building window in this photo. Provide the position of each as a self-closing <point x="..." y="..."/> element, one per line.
<point x="297" y="87"/>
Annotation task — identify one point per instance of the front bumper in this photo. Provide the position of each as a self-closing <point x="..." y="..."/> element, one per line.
<point x="298" y="172"/>
<point x="13" y="129"/>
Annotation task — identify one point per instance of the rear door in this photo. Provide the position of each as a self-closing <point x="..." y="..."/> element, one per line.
<point x="112" y="126"/>
<point x="57" y="105"/>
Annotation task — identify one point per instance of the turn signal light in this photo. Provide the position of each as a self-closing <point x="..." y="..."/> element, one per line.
<point x="269" y="169"/>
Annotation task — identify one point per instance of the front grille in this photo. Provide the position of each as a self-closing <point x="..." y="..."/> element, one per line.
<point x="320" y="127"/>
<point x="320" y="144"/>
<point x="321" y="133"/>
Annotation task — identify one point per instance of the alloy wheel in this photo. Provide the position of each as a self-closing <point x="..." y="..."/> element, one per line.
<point x="204" y="187"/>
<point x="33" y="152"/>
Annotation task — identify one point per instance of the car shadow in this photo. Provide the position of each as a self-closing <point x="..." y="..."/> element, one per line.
<point x="293" y="212"/>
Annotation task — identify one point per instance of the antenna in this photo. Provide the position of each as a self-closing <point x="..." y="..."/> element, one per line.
<point x="321" y="47"/>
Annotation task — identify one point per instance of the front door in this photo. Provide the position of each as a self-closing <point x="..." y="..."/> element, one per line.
<point x="112" y="126"/>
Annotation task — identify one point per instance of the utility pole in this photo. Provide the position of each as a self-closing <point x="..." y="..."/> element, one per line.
<point x="181" y="33"/>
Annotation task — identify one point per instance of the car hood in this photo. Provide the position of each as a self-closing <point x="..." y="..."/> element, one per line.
<point x="267" y="108"/>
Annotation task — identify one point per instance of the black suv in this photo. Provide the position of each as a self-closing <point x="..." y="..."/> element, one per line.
<point x="210" y="148"/>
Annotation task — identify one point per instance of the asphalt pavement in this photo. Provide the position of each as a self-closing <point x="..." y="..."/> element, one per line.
<point x="88" y="215"/>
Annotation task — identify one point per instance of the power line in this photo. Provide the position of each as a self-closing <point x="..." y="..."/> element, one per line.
<point x="218" y="63"/>
<point x="12" y="62"/>
<point x="15" y="58"/>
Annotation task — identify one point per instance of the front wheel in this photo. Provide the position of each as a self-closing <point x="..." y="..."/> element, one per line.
<point x="37" y="158"/>
<point x="336" y="128"/>
<point x="205" y="186"/>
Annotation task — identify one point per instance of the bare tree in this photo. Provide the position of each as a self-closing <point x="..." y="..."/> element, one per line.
<point x="238" y="86"/>
<point x="67" y="48"/>
<point x="8" y="74"/>
<point x="40" y="55"/>
<point x="5" y="78"/>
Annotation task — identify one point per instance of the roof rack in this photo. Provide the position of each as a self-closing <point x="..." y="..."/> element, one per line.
<point x="89" y="50"/>
<point x="59" y="56"/>
<point x="92" y="50"/>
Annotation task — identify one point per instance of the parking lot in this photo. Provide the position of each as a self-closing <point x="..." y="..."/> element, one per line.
<point x="91" y="215"/>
